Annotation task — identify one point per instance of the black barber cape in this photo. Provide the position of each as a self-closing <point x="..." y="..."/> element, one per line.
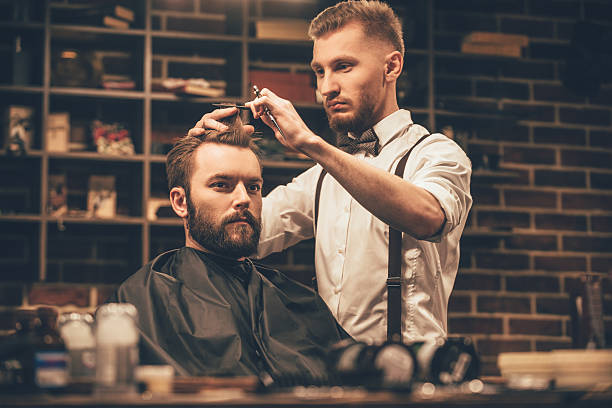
<point x="209" y="315"/>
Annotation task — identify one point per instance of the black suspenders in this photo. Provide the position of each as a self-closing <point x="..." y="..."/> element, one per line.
<point x="394" y="276"/>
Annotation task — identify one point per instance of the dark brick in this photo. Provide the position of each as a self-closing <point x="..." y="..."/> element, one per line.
<point x="503" y="304"/>
<point x="546" y="345"/>
<point x="484" y="195"/>
<point x="505" y="261"/>
<point x="447" y="41"/>
<point x="59" y="295"/>
<point x="476" y="281"/>
<point x="503" y="219"/>
<point x="557" y="93"/>
<point x="601" y="180"/>
<point x="587" y="244"/>
<point x="547" y="284"/>
<point x="481" y="6"/>
<point x="565" y="31"/>
<point x="475" y="325"/>
<point x="546" y="50"/>
<point x="465" y="23"/>
<point x="529" y="155"/>
<point x="527" y="198"/>
<point x="453" y="87"/>
<point x="543" y="327"/>
<point x="560" y="263"/>
<point x="465" y="259"/>
<point x="585" y="116"/>
<point x="559" y="135"/>
<point x="527" y="69"/>
<point x="459" y="303"/>
<point x="532" y="241"/>
<point x="600" y="138"/>
<point x="69" y="248"/>
<point x="7" y="319"/>
<point x="603" y="97"/>
<point x="11" y="295"/>
<point x="521" y="177"/>
<point x="173" y="5"/>
<point x="598" y="11"/>
<point x="485" y="241"/>
<point x="601" y="223"/>
<point x="560" y="178"/>
<point x="553" y="8"/>
<point x="577" y="201"/>
<point x="558" y="306"/>
<point x="468" y="105"/>
<point x="502" y="89"/>
<point x="489" y="347"/>
<point x="468" y="65"/>
<point x="532" y="28"/>
<point x="531" y="112"/>
<point x="560" y="222"/>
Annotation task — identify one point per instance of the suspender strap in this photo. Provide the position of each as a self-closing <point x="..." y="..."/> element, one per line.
<point x="394" y="276"/>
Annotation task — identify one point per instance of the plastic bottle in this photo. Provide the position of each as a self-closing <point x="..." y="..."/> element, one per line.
<point x="116" y="349"/>
<point x="76" y="331"/>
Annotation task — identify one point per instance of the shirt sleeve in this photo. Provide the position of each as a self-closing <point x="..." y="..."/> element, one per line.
<point x="441" y="167"/>
<point x="287" y="213"/>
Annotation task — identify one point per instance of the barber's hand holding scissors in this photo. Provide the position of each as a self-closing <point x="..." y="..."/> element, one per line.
<point x="293" y="133"/>
<point x="211" y="121"/>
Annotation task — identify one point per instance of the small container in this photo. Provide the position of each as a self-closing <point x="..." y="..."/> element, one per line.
<point x="116" y="349"/>
<point x="77" y="333"/>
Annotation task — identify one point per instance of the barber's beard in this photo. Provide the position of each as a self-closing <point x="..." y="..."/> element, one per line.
<point x="360" y="119"/>
<point x="224" y="238"/>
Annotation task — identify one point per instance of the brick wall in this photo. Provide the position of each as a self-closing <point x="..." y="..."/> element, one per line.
<point x="534" y="230"/>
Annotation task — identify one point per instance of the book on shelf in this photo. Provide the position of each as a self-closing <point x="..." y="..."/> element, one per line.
<point x="58" y="131"/>
<point x="101" y="14"/>
<point x="110" y="81"/>
<point x="57" y="197"/>
<point x="101" y="196"/>
<point x="19" y="131"/>
<point x="194" y="86"/>
<point x="282" y="29"/>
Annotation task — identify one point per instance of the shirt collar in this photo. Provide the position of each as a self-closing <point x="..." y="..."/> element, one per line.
<point x="391" y="126"/>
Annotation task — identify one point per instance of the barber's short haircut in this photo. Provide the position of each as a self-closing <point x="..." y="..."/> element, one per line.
<point x="377" y="19"/>
<point x="179" y="161"/>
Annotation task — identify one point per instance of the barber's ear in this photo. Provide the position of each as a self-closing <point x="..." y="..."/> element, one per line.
<point x="393" y="65"/>
<point x="178" y="199"/>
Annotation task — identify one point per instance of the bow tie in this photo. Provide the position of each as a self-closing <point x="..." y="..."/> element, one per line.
<point x="368" y="142"/>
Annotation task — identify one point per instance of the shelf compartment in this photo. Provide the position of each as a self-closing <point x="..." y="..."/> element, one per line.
<point x="96" y="59"/>
<point x="92" y="253"/>
<point x="28" y="107"/>
<point x="19" y="251"/>
<point x="127" y="178"/>
<point x="219" y="17"/>
<point x="21" y="53"/>
<point x="216" y="61"/>
<point x="84" y="110"/>
<point x="19" y="185"/>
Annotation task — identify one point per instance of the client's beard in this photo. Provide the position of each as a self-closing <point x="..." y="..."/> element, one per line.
<point x="215" y="238"/>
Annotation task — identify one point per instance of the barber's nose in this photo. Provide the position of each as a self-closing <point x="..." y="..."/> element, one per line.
<point x="328" y="86"/>
<point x="242" y="199"/>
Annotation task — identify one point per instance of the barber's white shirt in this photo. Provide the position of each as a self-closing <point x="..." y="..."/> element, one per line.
<point x="351" y="252"/>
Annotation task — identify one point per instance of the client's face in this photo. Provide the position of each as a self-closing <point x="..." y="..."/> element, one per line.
<point x="224" y="204"/>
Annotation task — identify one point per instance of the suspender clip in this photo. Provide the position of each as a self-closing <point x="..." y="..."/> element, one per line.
<point x="394" y="281"/>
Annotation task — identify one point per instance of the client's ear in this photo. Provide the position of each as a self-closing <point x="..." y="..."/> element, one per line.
<point x="178" y="199"/>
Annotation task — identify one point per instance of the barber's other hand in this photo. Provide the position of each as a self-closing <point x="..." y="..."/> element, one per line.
<point x="296" y="133"/>
<point x="210" y="121"/>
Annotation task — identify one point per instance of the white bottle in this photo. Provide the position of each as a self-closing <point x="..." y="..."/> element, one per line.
<point x="116" y="348"/>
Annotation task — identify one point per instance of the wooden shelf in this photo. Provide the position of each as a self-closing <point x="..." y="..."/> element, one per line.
<point x="96" y="156"/>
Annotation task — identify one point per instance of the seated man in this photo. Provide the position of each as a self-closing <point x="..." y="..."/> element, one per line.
<point x="205" y="308"/>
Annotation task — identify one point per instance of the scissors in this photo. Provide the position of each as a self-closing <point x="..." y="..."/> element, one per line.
<point x="267" y="111"/>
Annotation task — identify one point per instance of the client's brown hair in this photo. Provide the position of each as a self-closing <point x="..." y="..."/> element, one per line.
<point x="179" y="161"/>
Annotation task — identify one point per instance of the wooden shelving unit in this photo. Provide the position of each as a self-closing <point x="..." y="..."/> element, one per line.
<point x="141" y="175"/>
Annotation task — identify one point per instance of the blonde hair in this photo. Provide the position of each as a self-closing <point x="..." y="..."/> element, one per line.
<point x="377" y="19"/>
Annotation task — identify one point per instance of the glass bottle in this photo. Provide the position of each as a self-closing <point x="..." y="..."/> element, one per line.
<point x="50" y="354"/>
<point x="447" y="361"/>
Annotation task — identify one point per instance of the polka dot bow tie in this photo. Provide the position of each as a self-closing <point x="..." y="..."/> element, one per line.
<point x="368" y="142"/>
